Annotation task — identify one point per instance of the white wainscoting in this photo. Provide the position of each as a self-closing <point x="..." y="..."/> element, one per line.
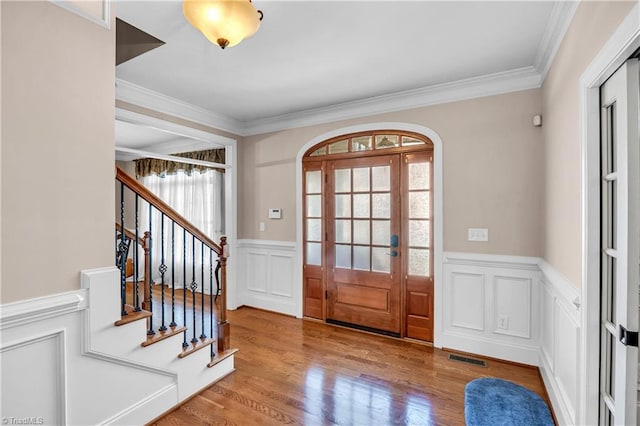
<point x="64" y="362"/>
<point x="560" y="347"/>
<point x="491" y="306"/>
<point x="266" y="276"/>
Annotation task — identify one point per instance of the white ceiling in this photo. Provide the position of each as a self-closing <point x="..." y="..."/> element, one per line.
<point x="310" y="58"/>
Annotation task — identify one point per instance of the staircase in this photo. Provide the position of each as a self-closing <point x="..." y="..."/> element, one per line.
<point x="164" y="308"/>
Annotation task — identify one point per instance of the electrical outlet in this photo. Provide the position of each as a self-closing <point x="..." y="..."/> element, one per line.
<point x="262" y="226"/>
<point x="503" y="322"/>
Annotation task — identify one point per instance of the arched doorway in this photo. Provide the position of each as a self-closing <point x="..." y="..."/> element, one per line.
<point x="368" y="232"/>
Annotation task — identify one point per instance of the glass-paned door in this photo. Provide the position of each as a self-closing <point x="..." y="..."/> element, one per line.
<point x="620" y="246"/>
<point x="417" y="225"/>
<point x="363" y="242"/>
<point x="313" y="292"/>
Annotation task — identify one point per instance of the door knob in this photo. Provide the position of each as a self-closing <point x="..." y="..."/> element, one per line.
<point x="392" y="254"/>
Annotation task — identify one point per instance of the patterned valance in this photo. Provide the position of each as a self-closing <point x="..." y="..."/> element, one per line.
<point x="149" y="166"/>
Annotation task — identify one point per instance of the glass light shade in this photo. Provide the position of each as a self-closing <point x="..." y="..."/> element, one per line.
<point x="224" y="22"/>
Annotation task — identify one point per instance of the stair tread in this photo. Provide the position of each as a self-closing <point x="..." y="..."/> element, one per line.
<point x="161" y="335"/>
<point x="221" y="357"/>
<point x="193" y="347"/>
<point x="132" y="315"/>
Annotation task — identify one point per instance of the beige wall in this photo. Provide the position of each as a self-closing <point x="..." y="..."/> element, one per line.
<point x="492" y="172"/>
<point x="57" y="173"/>
<point x="592" y="25"/>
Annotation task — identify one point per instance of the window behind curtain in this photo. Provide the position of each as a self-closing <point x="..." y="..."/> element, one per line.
<point x="198" y="197"/>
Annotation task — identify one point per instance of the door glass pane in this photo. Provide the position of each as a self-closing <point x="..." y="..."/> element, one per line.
<point x="381" y="206"/>
<point x="343" y="180"/>
<point x="386" y="141"/>
<point x="343" y="256"/>
<point x="313" y="182"/>
<point x="314" y="205"/>
<point x="361" y="180"/>
<point x="409" y="141"/>
<point x="361" y="143"/>
<point x="361" y="232"/>
<point x="314" y="229"/>
<point x="381" y="261"/>
<point x="419" y="262"/>
<point x="418" y="176"/>
<point x="314" y="253"/>
<point x="361" y="205"/>
<point x="381" y="232"/>
<point x="361" y="258"/>
<point x="319" y="151"/>
<point x="419" y="233"/>
<point x="343" y="231"/>
<point x="381" y="177"/>
<point x="343" y="205"/>
<point x="419" y="205"/>
<point x="339" y="147"/>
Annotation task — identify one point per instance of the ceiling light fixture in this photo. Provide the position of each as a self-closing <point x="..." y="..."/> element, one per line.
<point x="224" y="22"/>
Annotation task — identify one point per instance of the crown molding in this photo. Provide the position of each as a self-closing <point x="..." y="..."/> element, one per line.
<point x="146" y="98"/>
<point x="477" y="87"/>
<point x="557" y="26"/>
<point x="488" y="85"/>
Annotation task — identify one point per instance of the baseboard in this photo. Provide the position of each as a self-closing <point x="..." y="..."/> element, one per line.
<point x="520" y="354"/>
<point x="558" y="405"/>
<point x="137" y="413"/>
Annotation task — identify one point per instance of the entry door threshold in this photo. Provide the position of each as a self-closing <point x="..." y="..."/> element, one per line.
<point x="363" y="328"/>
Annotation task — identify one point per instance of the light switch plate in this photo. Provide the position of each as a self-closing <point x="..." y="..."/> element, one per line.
<point x="478" y="234"/>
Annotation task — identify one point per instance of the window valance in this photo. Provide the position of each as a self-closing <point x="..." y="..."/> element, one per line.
<point x="153" y="166"/>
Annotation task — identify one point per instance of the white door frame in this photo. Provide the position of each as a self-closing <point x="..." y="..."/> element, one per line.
<point x="230" y="182"/>
<point x="438" y="216"/>
<point x="622" y="44"/>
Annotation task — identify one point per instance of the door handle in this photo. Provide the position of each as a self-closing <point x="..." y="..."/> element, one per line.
<point x="392" y="254"/>
<point x="394" y="241"/>
<point x="628" y="338"/>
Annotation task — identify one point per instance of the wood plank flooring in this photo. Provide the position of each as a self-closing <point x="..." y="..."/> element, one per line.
<point x="301" y="372"/>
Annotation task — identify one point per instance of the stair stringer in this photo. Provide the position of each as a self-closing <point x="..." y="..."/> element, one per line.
<point x="123" y="343"/>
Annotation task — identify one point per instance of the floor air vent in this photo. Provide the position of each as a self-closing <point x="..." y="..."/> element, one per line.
<point x="474" y="361"/>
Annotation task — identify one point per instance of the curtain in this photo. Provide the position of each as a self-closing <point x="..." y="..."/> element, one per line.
<point x="150" y="166"/>
<point x="198" y="196"/>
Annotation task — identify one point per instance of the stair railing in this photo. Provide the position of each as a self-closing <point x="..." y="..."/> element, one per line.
<point x="184" y="310"/>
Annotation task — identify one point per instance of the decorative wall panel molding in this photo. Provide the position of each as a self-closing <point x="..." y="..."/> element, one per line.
<point x="560" y="348"/>
<point x="491" y="306"/>
<point x="266" y="276"/>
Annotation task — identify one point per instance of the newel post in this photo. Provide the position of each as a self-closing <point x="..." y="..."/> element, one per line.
<point x="224" y="336"/>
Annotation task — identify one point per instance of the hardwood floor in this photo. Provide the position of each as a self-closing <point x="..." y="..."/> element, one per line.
<point x="292" y="371"/>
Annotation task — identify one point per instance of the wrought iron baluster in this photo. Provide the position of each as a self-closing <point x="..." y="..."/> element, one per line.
<point x="136" y="278"/>
<point x="202" y="335"/>
<point x="173" y="274"/>
<point x="194" y="285"/>
<point x="123" y="260"/>
<point x="162" y="268"/>
<point x="211" y="299"/>
<point x="184" y="287"/>
<point x="149" y="269"/>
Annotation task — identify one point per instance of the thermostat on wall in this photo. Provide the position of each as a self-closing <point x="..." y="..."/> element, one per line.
<point x="275" y="213"/>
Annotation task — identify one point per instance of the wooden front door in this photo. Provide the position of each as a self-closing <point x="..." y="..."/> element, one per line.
<point x="363" y="227"/>
<point x="368" y="222"/>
